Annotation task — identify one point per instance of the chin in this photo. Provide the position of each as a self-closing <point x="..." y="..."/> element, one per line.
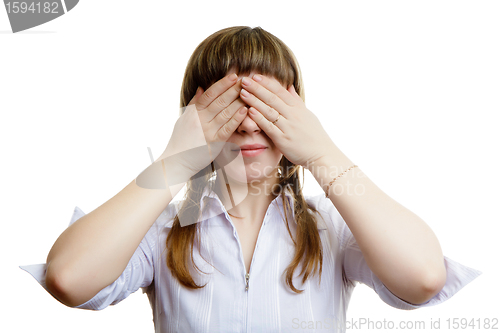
<point x="250" y="172"/>
<point x="250" y="169"/>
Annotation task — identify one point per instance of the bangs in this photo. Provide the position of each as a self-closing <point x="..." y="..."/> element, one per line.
<point x="243" y="50"/>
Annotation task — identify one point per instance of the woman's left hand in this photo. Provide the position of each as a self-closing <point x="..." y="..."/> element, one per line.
<point x="298" y="134"/>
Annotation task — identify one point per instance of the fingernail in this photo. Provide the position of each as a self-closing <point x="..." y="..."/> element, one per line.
<point x="245" y="93"/>
<point x="243" y="110"/>
<point x="257" y="77"/>
<point x="233" y="77"/>
<point x="246" y="81"/>
<point x="252" y="111"/>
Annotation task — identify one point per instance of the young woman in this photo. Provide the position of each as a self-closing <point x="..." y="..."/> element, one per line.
<point x="245" y="250"/>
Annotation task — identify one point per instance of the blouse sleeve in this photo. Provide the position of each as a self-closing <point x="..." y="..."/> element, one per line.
<point x="356" y="269"/>
<point x="138" y="273"/>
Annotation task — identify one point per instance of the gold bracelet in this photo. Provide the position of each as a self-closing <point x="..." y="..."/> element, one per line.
<point x="334" y="179"/>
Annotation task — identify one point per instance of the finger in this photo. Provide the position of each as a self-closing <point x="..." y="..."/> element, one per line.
<point x="223" y="102"/>
<point x="226" y="130"/>
<point x="215" y="91"/>
<point x="225" y="115"/>
<point x="267" y="97"/>
<point x="267" y="111"/>
<point x="270" y="129"/>
<point x="275" y="87"/>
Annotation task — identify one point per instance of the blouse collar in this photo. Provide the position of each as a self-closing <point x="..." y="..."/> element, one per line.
<point x="211" y="206"/>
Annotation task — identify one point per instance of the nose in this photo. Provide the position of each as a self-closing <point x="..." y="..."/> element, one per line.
<point x="248" y="126"/>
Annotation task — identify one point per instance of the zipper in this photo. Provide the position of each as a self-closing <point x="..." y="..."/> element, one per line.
<point x="247" y="274"/>
<point x="247" y="277"/>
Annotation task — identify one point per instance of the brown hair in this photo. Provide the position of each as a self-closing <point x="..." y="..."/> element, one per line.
<point x="246" y="50"/>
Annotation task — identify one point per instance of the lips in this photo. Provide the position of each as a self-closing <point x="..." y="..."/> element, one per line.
<point x="252" y="150"/>
<point x="252" y="147"/>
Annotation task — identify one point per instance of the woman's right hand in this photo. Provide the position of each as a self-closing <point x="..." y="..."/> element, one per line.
<point x="208" y="121"/>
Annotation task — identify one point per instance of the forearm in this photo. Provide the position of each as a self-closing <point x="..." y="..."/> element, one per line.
<point x="397" y="245"/>
<point x="93" y="252"/>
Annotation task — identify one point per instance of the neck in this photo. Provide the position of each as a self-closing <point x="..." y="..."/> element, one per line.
<point x="244" y="201"/>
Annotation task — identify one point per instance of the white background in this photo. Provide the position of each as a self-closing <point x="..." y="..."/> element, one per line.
<point x="408" y="90"/>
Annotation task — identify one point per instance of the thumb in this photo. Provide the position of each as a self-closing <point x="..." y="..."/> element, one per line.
<point x="199" y="92"/>
<point x="292" y="91"/>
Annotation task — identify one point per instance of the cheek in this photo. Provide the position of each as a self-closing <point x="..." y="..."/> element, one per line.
<point x="277" y="154"/>
<point x="276" y="158"/>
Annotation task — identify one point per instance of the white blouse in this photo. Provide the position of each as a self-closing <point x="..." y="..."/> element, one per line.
<point x="233" y="301"/>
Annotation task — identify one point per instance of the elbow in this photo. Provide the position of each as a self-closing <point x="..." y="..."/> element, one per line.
<point x="430" y="285"/>
<point x="57" y="285"/>
<point x="434" y="283"/>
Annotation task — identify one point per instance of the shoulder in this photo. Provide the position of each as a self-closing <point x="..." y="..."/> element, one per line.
<point x="318" y="201"/>
<point x="167" y="216"/>
<point x="325" y="207"/>
<point x="328" y="217"/>
<point x="162" y="225"/>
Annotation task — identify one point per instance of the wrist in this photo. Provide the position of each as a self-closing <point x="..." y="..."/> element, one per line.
<point x="329" y="166"/>
<point x="166" y="172"/>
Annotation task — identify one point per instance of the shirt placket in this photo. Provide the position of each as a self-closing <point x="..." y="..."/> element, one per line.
<point x="247" y="275"/>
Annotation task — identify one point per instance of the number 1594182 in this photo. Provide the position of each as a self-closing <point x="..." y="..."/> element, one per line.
<point x="39" y="7"/>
